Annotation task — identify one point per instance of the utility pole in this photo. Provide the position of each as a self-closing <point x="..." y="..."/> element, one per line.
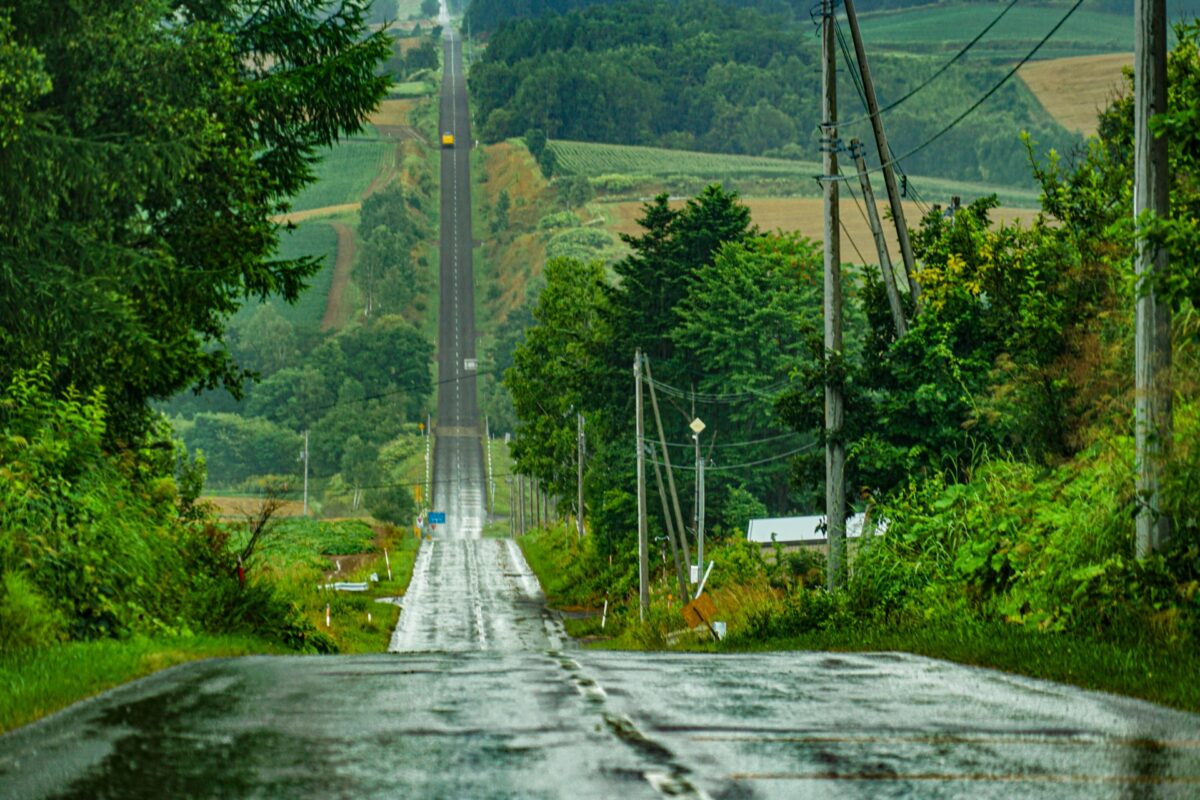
<point x="697" y="427"/>
<point x="429" y="460"/>
<point x="885" y="261"/>
<point x="835" y="453"/>
<point x="643" y="536"/>
<point x="881" y="143"/>
<point x="1152" y="338"/>
<point x="304" y="456"/>
<point x="662" y="440"/>
<point x="662" y="494"/>
<point x="580" y="446"/>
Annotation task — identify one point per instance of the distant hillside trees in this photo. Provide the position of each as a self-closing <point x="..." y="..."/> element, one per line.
<point x="708" y="76"/>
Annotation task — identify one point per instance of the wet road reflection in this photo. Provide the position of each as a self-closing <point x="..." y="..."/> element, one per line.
<point x="599" y="725"/>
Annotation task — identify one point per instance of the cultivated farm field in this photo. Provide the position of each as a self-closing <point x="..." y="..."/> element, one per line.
<point x="313" y="238"/>
<point x="938" y="27"/>
<point x="805" y="215"/>
<point x="626" y="170"/>
<point x="1074" y="90"/>
<point x="346" y="172"/>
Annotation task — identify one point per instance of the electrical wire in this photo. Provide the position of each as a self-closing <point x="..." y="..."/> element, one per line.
<point x="940" y="70"/>
<point x="759" y="462"/>
<point x="978" y="102"/>
<point x="403" y="390"/>
<point x="691" y="445"/>
<point x="705" y="397"/>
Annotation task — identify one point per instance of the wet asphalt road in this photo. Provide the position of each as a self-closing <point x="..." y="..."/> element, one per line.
<point x="484" y="697"/>
<point x="591" y="724"/>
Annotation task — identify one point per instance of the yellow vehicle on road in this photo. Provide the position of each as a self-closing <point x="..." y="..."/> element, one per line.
<point x="447" y="139"/>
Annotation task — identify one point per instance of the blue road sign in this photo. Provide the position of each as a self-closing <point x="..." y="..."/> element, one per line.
<point x="437" y="517"/>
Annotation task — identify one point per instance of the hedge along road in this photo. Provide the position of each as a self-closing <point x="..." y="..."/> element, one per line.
<point x="484" y="698"/>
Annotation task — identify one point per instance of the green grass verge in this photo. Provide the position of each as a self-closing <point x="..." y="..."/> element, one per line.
<point x="35" y="683"/>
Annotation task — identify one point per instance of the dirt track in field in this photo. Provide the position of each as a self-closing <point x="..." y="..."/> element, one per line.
<point x="337" y="305"/>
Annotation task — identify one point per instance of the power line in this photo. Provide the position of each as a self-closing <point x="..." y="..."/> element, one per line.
<point x="707" y="397"/>
<point x="937" y="73"/>
<point x="759" y="462"/>
<point x="978" y="102"/>
<point x="690" y="445"/>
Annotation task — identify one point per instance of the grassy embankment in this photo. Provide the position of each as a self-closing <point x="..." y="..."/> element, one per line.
<point x="39" y="682"/>
<point x="300" y="554"/>
<point x="1133" y="666"/>
<point x="499" y="519"/>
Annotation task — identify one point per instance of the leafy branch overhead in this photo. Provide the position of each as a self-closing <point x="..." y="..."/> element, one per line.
<point x="146" y="147"/>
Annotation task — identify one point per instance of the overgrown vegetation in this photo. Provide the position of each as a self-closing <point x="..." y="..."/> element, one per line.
<point x="994" y="437"/>
<point x="149" y="149"/>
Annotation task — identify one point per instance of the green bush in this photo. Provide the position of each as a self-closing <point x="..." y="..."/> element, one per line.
<point x="27" y="619"/>
<point x="96" y="540"/>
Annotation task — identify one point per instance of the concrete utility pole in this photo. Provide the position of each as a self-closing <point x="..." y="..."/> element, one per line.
<point x="1152" y="342"/>
<point x="885" y="153"/>
<point x="697" y="427"/>
<point x="885" y="261"/>
<point x="580" y="446"/>
<point x="835" y="452"/>
<point x="643" y="536"/>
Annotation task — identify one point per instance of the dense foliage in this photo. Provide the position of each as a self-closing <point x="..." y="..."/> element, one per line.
<point x="146" y="148"/>
<point x="994" y="437"/>
<point x="703" y="75"/>
<point x="717" y="308"/>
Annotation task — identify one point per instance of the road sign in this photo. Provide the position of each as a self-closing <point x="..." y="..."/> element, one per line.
<point x="437" y="517"/>
<point x="700" y="611"/>
<point x="470" y="365"/>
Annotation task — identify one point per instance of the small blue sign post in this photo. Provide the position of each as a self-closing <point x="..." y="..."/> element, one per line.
<point x="437" y="517"/>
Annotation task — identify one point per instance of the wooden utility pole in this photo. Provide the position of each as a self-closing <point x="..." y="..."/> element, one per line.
<point x="580" y="446"/>
<point x="885" y="261"/>
<point x="835" y="453"/>
<point x="643" y="536"/>
<point x="885" y="153"/>
<point x="1152" y="338"/>
<point x="662" y="441"/>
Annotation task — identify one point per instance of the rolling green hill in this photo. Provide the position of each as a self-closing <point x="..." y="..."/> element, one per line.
<point x="627" y="169"/>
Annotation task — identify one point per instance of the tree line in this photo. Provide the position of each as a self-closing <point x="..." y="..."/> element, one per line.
<point x="704" y="75"/>
<point x="146" y="148"/>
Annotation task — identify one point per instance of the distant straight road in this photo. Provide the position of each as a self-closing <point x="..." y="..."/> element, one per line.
<point x="467" y="593"/>
<point x="483" y="698"/>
